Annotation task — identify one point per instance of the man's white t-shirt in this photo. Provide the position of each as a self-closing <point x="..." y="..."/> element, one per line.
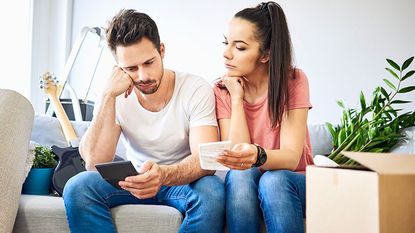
<point x="163" y="136"/>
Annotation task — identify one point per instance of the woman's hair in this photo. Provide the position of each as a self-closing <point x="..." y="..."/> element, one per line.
<point x="274" y="38"/>
<point x="129" y="27"/>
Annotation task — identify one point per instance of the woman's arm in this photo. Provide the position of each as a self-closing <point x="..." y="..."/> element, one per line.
<point x="292" y="137"/>
<point x="235" y="129"/>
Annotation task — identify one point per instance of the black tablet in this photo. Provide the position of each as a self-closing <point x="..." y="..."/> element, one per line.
<point x="113" y="172"/>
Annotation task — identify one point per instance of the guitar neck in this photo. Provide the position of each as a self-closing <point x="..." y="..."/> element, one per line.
<point x="67" y="128"/>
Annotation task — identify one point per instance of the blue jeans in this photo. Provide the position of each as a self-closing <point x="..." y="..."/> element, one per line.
<point x="277" y="196"/>
<point x="88" y="199"/>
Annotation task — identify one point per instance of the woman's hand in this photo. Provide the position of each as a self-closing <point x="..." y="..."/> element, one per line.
<point x="240" y="157"/>
<point x="235" y="86"/>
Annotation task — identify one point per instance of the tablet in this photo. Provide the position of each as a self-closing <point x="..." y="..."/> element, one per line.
<point x="116" y="171"/>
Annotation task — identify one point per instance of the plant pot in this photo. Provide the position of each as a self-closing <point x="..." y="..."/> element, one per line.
<point x="38" y="181"/>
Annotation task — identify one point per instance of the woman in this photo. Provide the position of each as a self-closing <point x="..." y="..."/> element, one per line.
<point x="262" y="105"/>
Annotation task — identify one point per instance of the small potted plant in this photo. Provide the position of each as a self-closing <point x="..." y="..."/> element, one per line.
<point x="39" y="178"/>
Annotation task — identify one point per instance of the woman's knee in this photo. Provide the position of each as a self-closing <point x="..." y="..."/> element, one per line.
<point x="276" y="181"/>
<point x="242" y="180"/>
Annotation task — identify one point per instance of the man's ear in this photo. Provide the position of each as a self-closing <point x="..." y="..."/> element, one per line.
<point x="264" y="57"/>
<point x="162" y="50"/>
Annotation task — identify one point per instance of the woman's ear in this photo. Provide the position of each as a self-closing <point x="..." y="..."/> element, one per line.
<point x="264" y="57"/>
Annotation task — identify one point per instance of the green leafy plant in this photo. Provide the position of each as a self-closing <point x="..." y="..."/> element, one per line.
<point x="377" y="125"/>
<point x="44" y="158"/>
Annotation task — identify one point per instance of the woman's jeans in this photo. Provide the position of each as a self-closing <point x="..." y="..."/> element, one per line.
<point x="88" y="199"/>
<point x="278" y="196"/>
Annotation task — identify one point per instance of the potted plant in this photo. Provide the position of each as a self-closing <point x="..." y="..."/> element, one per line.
<point x="375" y="126"/>
<point x="39" y="178"/>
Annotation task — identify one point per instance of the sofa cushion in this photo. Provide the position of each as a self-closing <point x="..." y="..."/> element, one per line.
<point x="39" y="214"/>
<point x="320" y="137"/>
<point x="406" y="145"/>
<point x="47" y="131"/>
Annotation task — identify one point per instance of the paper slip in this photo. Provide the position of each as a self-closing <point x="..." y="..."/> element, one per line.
<point x="208" y="152"/>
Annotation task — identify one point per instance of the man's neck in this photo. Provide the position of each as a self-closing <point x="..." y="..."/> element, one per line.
<point x="157" y="101"/>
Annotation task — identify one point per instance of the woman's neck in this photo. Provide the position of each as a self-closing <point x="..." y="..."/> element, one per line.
<point x="256" y="85"/>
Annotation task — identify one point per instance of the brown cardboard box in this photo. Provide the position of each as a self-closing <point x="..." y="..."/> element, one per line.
<point x="379" y="199"/>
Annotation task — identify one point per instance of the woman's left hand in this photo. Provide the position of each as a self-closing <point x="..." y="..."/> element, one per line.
<point x="240" y="157"/>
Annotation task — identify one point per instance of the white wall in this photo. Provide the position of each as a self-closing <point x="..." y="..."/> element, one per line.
<point x="50" y="43"/>
<point x="14" y="46"/>
<point x="341" y="45"/>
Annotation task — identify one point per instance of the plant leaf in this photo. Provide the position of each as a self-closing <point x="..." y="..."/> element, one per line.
<point x="400" y="101"/>
<point x="340" y="103"/>
<point x="331" y="129"/>
<point x="362" y="101"/>
<point x="406" y="89"/>
<point x="407" y="75"/>
<point x="389" y="84"/>
<point x="393" y="64"/>
<point x="393" y="73"/>
<point x="385" y="93"/>
<point x="407" y="63"/>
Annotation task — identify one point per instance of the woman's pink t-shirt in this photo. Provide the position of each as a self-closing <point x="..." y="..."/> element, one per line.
<point x="258" y="120"/>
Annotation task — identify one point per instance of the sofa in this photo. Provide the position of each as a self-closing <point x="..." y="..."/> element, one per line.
<point x="42" y="214"/>
<point x="47" y="213"/>
<point x="16" y="117"/>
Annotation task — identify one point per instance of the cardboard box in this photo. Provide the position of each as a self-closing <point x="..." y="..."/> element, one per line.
<point x="379" y="199"/>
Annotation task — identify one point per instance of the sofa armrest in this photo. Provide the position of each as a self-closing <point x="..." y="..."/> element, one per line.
<point x="16" y="117"/>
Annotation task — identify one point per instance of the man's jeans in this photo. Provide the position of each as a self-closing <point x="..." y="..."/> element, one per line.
<point x="278" y="196"/>
<point x="88" y="199"/>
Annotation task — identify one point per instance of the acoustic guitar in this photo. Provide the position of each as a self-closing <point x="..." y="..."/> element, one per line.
<point x="70" y="161"/>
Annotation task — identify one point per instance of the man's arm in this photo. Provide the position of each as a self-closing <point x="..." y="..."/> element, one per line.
<point x="189" y="170"/>
<point x="100" y="141"/>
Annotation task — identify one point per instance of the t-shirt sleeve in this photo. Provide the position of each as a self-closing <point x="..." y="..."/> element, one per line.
<point x="299" y="95"/>
<point x="202" y="106"/>
<point x="223" y="106"/>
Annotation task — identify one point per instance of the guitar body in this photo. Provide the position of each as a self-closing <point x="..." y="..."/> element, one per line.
<point x="70" y="163"/>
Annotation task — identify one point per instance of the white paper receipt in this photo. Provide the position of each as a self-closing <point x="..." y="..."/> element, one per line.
<point x="208" y="152"/>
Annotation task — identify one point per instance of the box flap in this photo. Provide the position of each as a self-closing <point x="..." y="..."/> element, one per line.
<point x="385" y="163"/>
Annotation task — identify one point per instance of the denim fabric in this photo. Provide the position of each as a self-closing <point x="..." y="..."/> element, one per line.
<point x="277" y="196"/>
<point x="88" y="199"/>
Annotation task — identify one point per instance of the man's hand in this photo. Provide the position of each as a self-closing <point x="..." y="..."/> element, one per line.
<point x="241" y="157"/>
<point x="147" y="184"/>
<point x="120" y="82"/>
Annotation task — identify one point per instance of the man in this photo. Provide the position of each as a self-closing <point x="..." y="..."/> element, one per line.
<point x="161" y="116"/>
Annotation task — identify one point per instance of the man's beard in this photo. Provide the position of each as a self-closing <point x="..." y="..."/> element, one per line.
<point x="147" y="91"/>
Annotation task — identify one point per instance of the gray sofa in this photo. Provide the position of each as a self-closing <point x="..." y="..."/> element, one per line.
<point x="47" y="213"/>
<point x="16" y="117"/>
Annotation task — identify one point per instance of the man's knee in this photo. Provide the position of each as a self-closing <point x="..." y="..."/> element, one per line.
<point x="210" y="192"/>
<point x="79" y="184"/>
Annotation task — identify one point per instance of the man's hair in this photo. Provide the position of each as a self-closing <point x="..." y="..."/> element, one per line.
<point x="130" y="26"/>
